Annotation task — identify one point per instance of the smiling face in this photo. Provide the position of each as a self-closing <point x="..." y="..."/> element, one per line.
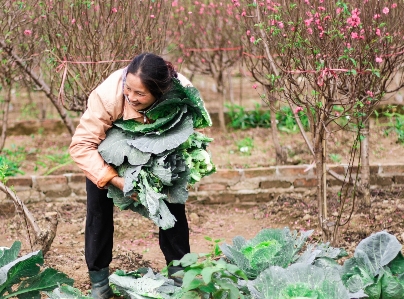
<point x="138" y="96"/>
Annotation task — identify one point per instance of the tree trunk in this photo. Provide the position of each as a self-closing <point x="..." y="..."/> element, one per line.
<point x="43" y="86"/>
<point x="321" y="196"/>
<point x="4" y="122"/>
<point x="281" y="154"/>
<point x="231" y="89"/>
<point x="365" y="168"/>
<point x="220" y="91"/>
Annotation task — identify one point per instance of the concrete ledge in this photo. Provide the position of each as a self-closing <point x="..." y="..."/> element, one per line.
<point x="225" y="186"/>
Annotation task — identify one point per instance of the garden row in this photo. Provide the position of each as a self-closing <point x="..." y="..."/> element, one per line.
<point x="275" y="264"/>
<point x="224" y="186"/>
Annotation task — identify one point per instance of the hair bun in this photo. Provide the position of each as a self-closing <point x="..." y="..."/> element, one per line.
<point x="171" y="69"/>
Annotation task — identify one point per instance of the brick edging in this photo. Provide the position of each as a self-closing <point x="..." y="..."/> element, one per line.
<point x="224" y="186"/>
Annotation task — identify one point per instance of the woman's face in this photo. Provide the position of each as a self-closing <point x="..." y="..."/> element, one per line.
<point x="136" y="93"/>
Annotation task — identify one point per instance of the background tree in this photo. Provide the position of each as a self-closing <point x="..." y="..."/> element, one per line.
<point x="330" y="55"/>
<point x="209" y="41"/>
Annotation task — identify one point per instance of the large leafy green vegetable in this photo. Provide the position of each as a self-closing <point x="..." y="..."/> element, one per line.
<point x="299" y="281"/>
<point x="135" y="286"/>
<point x="160" y="159"/>
<point x="22" y="277"/>
<point x="377" y="267"/>
<point x="270" y="247"/>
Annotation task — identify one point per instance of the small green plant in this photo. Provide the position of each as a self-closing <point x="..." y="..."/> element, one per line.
<point x="396" y="125"/>
<point x="29" y="111"/>
<point x="335" y="158"/>
<point x="242" y="119"/>
<point x="245" y="146"/>
<point x="209" y="276"/>
<point x="12" y="158"/>
<point x="286" y="122"/>
<point x="51" y="163"/>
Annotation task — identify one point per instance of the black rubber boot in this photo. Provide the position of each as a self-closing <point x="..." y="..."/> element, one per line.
<point x="171" y="271"/>
<point x="100" y="288"/>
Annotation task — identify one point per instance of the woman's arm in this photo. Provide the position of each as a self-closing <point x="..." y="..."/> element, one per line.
<point x="105" y="105"/>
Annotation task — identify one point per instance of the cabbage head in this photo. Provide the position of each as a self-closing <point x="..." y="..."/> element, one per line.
<point x="299" y="281"/>
<point x="270" y="247"/>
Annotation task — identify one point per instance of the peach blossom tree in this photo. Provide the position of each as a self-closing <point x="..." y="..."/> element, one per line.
<point x="209" y="40"/>
<point x="332" y="60"/>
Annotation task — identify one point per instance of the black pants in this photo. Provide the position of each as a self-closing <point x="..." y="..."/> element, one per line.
<point x="174" y="242"/>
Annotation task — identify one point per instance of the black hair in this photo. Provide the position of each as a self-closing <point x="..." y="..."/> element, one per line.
<point x="154" y="72"/>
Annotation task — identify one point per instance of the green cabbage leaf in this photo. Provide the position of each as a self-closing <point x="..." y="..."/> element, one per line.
<point x="299" y="281"/>
<point x="377" y="267"/>
<point x="270" y="247"/>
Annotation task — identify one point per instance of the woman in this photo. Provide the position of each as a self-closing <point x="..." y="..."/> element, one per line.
<point x="126" y="94"/>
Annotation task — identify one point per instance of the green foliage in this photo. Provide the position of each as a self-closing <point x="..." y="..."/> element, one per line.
<point x="53" y="162"/>
<point x="137" y="284"/>
<point x="22" y="277"/>
<point x="377" y="267"/>
<point x="240" y="118"/>
<point x="11" y="160"/>
<point x="208" y="276"/>
<point x="336" y="158"/>
<point x="245" y="146"/>
<point x="396" y="125"/>
<point x="299" y="281"/>
<point x="270" y="247"/>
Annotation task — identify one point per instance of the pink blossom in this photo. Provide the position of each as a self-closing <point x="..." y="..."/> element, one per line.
<point x="394" y="5"/>
<point x="114" y="9"/>
<point x="248" y="32"/>
<point x="255" y="86"/>
<point x="369" y="93"/>
<point x="379" y="59"/>
<point x="174" y="3"/>
<point x="73" y="21"/>
<point x="297" y="110"/>
<point x="376" y="16"/>
<point x="27" y="32"/>
<point x="280" y="25"/>
<point x="152" y="16"/>
<point x="337" y="114"/>
<point x="354" y="20"/>
<point x="338" y="11"/>
<point x="252" y="39"/>
<point x="179" y="60"/>
<point x="367" y="102"/>
<point x="386" y="10"/>
<point x="354" y="35"/>
<point x="321" y="8"/>
<point x="378" y="31"/>
<point x="243" y="14"/>
<point x="307" y="22"/>
<point x="309" y="31"/>
<point x="348" y="45"/>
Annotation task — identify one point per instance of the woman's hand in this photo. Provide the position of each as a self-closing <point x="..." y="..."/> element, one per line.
<point x="120" y="183"/>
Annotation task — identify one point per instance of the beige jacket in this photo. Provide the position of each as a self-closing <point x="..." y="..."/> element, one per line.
<point x="106" y="104"/>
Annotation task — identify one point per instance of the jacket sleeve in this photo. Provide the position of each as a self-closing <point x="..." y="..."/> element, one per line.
<point x="94" y="123"/>
<point x="105" y="105"/>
